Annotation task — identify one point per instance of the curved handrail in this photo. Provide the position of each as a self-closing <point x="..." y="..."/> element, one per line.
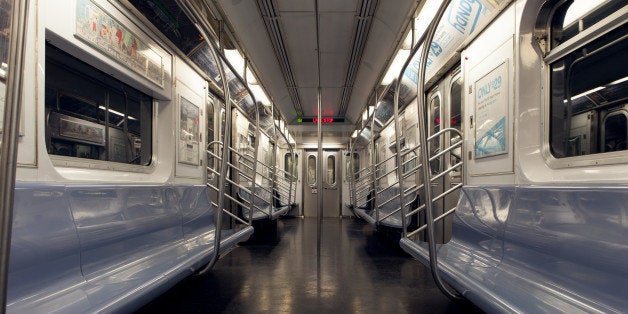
<point x="424" y="41"/>
<point x="426" y="171"/>
<point x="193" y="13"/>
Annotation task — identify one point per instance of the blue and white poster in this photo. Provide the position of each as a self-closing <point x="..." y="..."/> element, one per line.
<point x="491" y="110"/>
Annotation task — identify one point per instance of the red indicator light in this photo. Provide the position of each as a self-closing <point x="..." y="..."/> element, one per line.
<point x="323" y="120"/>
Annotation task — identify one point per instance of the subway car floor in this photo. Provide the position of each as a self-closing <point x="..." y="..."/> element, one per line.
<point x="358" y="271"/>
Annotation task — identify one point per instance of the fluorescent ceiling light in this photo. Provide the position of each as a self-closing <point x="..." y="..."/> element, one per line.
<point x="395" y="67"/>
<point x="259" y="94"/>
<point x="579" y="9"/>
<point x="591" y="91"/>
<point x="422" y="21"/>
<point x="116" y="112"/>
<point x="407" y="43"/>
<point x="235" y="59"/>
<point x="619" y="81"/>
<point x="250" y="77"/>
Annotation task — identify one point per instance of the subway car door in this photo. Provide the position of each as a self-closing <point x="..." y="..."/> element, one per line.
<point x="310" y="189"/>
<point x="331" y="184"/>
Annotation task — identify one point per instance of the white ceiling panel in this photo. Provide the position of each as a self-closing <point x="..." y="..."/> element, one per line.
<point x="329" y="101"/>
<point x="333" y="69"/>
<point x="336" y="31"/>
<point x="294" y="5"/>
<point x="249" y="27"/>
<point x="308" y="100"/>
<point x="383" y="38"/>
<point x="299" y="30"/>
<point x="337" y="6"/>
<point x="297" y="23"/>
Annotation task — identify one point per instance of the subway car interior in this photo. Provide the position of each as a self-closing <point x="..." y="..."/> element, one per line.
<point x="288" y="156"/>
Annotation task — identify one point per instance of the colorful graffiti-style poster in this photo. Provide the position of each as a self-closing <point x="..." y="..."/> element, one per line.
<point x="98" y="28"/>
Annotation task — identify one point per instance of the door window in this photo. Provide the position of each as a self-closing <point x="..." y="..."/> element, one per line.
<point x="434" y="127"/>
<point x="311" y="170"/>
<point x="455" y="121"/>
<point x="210" y="133"/>
<point x="331" y="170"/>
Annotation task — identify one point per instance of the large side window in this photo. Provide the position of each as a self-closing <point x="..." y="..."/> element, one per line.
<point x="91" y="115"/>
<point x="589" y="84"/>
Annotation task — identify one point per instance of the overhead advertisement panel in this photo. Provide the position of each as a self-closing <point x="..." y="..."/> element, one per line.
<point x="462" y="19"/>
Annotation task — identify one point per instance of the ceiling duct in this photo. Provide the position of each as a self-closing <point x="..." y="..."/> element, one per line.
<point x="362" y="28"/>
<point x="271" y="21"/>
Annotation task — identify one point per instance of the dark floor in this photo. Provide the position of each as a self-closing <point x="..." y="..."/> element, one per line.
<point x="358" y="271"/>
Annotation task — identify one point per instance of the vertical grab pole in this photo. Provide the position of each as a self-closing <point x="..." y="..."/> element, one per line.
<point x="292" y="177"/>
<point x="258" y="135"/>
<point x="273" y="163"/>
<point x="226" y="143"/>
<point x="319" y="175"/>
<point x="295" y="174"/>
<point x="10" y="133"/>
<point x="402" y="193"/>
<point x="424" y="153"/>
<point x="397" y="83"/>
<point x="404" y="219"/>
<point x="374" y="172"/>
<point x="319" y="133"/>
<point x="373" y="169"/>
<point x="193" y="13"/>
<point x="352" y="194"/>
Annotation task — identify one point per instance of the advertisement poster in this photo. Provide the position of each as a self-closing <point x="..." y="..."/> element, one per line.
<point x="461" y="20"/>
<point x="491" y="110"/>
<point x="99" y="29"/>
<point x="189" y="133"/>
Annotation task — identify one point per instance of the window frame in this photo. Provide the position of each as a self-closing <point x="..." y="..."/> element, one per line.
<point x="552" y="55"/>
<point x="78" y="162"/>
